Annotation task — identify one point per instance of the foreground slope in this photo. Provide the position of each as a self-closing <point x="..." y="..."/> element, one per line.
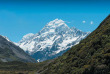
<point x="17" y="67"/>
<point x="11" y="52"/>
<point x="90" y="56"/>
<point x="52" y="41"/>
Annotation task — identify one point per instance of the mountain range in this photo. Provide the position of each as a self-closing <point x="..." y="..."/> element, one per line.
<point x="52" y="41"/>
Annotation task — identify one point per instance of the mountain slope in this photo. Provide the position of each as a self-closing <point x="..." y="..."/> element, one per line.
<point x="11" y="52"/>
<point x="90" y="56"/>
<point x="52" y="41"/>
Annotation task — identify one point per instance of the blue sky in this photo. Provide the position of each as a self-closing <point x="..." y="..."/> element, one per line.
<point x="20" y="17"/>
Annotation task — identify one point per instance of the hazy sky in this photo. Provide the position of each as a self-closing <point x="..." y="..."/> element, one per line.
<point x="20" y="17"/>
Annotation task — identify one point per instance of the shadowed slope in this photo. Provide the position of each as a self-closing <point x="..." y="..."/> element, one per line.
<point x="11" y="52"/>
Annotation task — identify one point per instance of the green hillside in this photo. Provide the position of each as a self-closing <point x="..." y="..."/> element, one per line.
<point x="17" y="67"/>
<point x="90" y="56"/>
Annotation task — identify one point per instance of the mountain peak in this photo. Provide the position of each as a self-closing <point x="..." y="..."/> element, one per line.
<point x="57" y="19"/>
<point x="55" y="23"/>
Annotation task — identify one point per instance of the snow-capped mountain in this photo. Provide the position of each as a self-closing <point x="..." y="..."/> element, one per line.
<point x="52" y="41"/>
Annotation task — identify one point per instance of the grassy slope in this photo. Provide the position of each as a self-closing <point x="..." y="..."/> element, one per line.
<point x="90" y="56"/>
<point x="17" y="67"/>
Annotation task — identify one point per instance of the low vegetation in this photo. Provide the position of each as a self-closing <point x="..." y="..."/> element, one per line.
<point x="17" y="67"/>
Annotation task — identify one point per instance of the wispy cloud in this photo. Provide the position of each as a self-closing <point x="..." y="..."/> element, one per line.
<point x="83" y="21"/>
<point x="67" y="22"/>
<point x="91" y="22"/>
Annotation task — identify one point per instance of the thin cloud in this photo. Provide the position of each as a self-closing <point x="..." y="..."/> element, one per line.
<point x="67" y="22"/>
<point x="83" y="21"/>
<point x="91" y="22"/>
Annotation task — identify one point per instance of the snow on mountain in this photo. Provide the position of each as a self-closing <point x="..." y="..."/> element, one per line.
<point x="52" y="41"/>
<point x="27" y="36"/>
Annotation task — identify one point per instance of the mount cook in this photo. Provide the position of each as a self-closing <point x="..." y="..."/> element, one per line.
<point x="52" y="41"/>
